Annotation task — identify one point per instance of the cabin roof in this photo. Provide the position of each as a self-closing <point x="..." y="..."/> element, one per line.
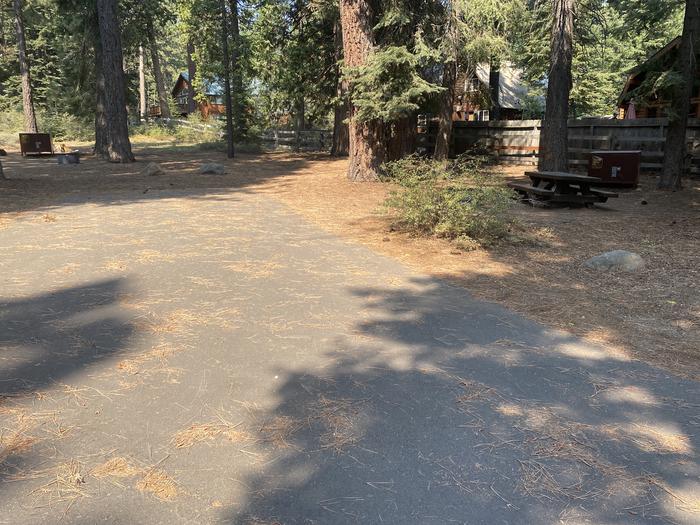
<point x="211" y="87"/>
<point x="642" y="67"/>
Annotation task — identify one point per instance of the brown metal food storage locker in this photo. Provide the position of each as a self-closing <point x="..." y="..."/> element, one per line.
<point x="615" y="168"/>
<point x="35" y="143"/>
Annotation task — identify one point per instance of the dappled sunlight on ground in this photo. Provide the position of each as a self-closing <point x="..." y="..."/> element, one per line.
<point x="188" y="348"/>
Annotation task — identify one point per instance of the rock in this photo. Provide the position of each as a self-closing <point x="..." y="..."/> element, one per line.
<point x="616" y="260"/>
<point x="3" y="153"/>
<point x="212" y="168"/>
<point x="153" y="168"/>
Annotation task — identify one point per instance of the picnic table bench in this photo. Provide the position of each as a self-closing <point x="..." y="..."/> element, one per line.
<point x="560" y="187"/>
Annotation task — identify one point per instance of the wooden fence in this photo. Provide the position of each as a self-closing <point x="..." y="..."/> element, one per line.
<point x="308" y="139"/>
<point x="518" y="140"/>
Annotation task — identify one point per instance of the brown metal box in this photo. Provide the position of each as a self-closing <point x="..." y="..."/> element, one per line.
<point x="35" y="143"/>
<point x="615" y="168"/>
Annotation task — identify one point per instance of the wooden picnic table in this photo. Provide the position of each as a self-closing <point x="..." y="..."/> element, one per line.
<point x="557" y="186"/>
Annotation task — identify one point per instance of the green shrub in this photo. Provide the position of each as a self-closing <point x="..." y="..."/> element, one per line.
<point x="180" y="132"/>
<point x="11" y="123"/>
<point x="456" y="200"/>
<point x="61" y="126"/>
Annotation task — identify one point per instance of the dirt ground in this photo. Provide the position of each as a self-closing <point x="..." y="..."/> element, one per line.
<point x="653" y="315"/>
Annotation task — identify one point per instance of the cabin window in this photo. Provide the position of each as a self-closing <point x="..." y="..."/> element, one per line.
<point x="471" y="85"/>
<point x="182" y="97"/>
<point x="482" y="115"/>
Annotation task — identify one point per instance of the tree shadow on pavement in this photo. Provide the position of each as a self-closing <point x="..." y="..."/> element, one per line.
<point x="439" y="409"/>
<point x="47" y="338"/>
<point x="46" y="341"/>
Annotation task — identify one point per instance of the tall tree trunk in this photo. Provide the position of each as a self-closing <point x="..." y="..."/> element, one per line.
<point x="118" y="145"/>
<point x="299" y="121"/>
<point x="400" y="137"/>
<point x="27" y="98"/>
<point x="3" y="41"/>
<point x="447" y="97"/>
<point x="554" y="134"/>
<point x="191" y="72"/>
<point x="101" y="128"/>
<point x="227" y="81"/>
<point x="163" y="97"/>
<point x="495" y="90"/>
<point x="341" y="140"/>
<point x="675" y="149"/>
<point x="143" y="110"/>
<point x="237" y="94"/>
<point x="367" y="151"/>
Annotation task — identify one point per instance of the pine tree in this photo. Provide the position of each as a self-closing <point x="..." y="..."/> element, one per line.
<point x="227" y="81"/>
<point x="118" y="146"/>
<point x="675" y="149"/>
<point x="554" y="134"/>
<point x="27" y="96"/>
<point x="367" y="150"/>
<point x="341" y="138"/>
<point x="163" y="96"/>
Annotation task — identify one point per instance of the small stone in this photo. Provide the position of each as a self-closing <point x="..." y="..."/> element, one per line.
<point x="616" y="260"/>
<point x="212" y="168"/>
<point x="644" y="203"/>
<point x="153" y="168"/>
<point x="3" y="153"/>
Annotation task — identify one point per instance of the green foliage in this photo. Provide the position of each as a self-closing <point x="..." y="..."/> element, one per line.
<point x="11" y="123"/>
<point x="194" y="132"/>
<point x="611" y="37"/>
<point x="64" y="126"/>
<point x="456" y="200"/>
<point x="290" y="63"/>
<point x="293" y="57"/>
<point x="388" y="86"/>
<point x="61" y="126"/>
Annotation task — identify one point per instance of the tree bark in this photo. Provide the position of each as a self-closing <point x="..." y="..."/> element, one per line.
<point x="400" y="137"/>
<point x="191" y="72"/>
<point x="554" y="134"/>
<point x="367" y="150"/>
<point x="101" y="129"/>
<point x="299" y="121"/>
<point x="163" y="96"/>
<point x="143" y="110"/>
<point x="495" y="90"/>
<point x="444" y="134"/>
<point x="237" y="94"/>
<point x="676" y="142"/>
<point x="227" y="81"/>
<point x="24" y="70"/>
<point x="118" y="145"/>
<point x="341" y="140"/>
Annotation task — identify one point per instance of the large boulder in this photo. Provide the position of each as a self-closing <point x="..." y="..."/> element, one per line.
<point x="616" y="260"/>
<point x="212" y="168"/>
<point x="153" y="168"/>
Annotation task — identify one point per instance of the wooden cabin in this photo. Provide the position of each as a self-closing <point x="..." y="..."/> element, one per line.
<point x="473" y="94"/>
<point x="647" y="104"/>
<point x="212" y="106"/>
